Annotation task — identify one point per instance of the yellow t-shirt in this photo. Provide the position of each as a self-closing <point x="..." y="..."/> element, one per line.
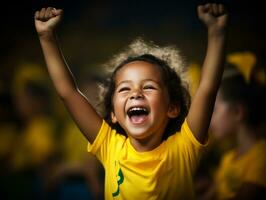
<point x="232" y="172"/>
<point x="163" y="173"/>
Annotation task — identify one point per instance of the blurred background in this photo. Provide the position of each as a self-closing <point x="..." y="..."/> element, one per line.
<point x="42" y="154"/>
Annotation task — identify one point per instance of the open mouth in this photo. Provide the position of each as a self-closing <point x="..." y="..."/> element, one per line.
<point x="137" y="115"/>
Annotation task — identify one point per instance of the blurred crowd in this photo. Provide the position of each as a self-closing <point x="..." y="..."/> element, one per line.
<point x="234" y="164"/>
<point x="42" y="153"/>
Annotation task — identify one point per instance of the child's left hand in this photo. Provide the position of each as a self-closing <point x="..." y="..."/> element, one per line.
<point x="214" y="16"/>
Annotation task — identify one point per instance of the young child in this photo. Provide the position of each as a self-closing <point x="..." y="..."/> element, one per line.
<point x="240" y="113"/>
<point x="148" y="140"/>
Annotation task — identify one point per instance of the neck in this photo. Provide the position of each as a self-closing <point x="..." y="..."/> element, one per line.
<point x="246" y="138"/>
<point x="147" y="144"/>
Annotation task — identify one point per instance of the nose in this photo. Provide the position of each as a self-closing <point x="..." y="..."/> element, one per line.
<point x="136" y="94"/>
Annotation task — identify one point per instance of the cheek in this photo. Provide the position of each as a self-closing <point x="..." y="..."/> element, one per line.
<point x="118" y="104"/>
<point x="159" y="103"/>
<point x="222" y="124"/>
<point x="24" y="104"/>
<point x="160" y="98"/>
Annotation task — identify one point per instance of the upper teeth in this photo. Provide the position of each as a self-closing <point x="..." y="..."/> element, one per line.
<point x="137" y="108"/>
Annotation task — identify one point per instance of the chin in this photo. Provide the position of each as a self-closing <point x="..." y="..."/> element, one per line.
<point x="138" y="134"/>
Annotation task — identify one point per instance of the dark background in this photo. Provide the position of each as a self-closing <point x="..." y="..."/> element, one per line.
<point x="93" y="30"/>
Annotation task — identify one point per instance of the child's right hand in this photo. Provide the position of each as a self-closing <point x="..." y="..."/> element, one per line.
<point x="47" y="19"/>
<point x="213" y="15"/>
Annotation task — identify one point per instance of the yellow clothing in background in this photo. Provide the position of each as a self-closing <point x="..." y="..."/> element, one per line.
<point x="7" y="139"/>
<point x="73" y="144"/>
<point x="233" y="172"/>
<point x="35" y="144"/>
<point x="164" y="173"/>
<point x="244" y="62"/>
<point x="194" y="72"/>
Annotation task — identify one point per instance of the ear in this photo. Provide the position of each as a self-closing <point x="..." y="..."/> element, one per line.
<point x="240" y="112"/>
<point x="173" y="111"/>
<point x="113" y="117"/>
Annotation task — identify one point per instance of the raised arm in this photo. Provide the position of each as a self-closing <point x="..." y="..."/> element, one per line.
<point x="89" y="122"/>
<point x="214" y="16"/>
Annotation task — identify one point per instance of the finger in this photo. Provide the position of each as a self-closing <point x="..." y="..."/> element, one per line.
<point x="54" y="11"/>
<point x="57" y="12"/>
<point x="221" y="9"/>
<point x="206" y="8"/>
<point x="37" y="15"/>
<point x="42" y="13"/>
<point x="48" y="13"/>
<point x="215" y="9"/>
<point x="203" y="9"/>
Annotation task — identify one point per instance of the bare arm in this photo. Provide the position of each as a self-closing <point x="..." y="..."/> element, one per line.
<point x="215" y="18"/>
<point x="82" y="112"/>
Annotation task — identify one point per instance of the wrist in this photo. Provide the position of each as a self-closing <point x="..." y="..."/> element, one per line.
<point x="46" y="35"/>
<point x="215" y="32"/>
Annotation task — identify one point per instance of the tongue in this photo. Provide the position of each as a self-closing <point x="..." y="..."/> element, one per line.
<point x="137" y="119"/>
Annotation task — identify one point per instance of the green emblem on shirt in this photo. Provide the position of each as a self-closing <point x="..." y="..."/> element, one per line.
<point x="120" y="180"/>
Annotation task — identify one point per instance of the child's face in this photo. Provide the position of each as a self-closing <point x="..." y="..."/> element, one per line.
<point x="140" y="101"/>
<point x="224" y="120"/>
<point x="25" y="104"/>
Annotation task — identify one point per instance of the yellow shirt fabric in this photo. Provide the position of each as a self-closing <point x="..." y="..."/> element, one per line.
<point x="233" y="172"/>
<point x="166" y="172"/>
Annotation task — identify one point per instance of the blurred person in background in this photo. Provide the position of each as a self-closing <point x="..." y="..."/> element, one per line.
<point x="77" y="174"/>
<point x="34" y="144"/>
<point x="239" y="114"/>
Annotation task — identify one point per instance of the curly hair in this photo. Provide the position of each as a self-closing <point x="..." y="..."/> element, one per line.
<point x="169" y="62"/>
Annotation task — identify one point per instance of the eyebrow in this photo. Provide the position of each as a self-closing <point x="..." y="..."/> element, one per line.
<point x="145" y="80"/>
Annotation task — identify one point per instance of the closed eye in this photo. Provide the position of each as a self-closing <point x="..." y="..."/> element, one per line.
<point x="124" y="89"/>
<point x="149" y="87"/>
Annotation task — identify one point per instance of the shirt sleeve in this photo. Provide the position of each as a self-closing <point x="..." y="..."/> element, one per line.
<point x="107" y="143"/>
<point x="190" y="137"/>
<point x="187" y="147"/>
<point x="100" y="146"/>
